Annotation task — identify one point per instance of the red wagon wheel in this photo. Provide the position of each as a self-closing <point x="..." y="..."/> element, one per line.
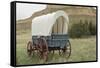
<point x="29" y="48"/>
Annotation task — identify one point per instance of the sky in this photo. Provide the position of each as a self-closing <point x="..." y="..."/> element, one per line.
<point x="25" y="10"/>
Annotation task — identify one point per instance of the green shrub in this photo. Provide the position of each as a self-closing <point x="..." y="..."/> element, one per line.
<point x="80" y="29"/>
<point x="92" y="28"/>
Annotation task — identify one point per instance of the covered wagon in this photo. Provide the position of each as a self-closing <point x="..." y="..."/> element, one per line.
<point x="54" y="27"/>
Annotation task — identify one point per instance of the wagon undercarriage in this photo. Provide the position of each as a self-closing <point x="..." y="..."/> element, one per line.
<point x="55" y="42"/>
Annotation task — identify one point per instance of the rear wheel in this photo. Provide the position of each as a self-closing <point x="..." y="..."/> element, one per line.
<point x="67" y="49"/>
<point x="29" y="48"/>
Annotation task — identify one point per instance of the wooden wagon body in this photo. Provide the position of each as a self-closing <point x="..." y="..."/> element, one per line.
<point x="55" y="40"/>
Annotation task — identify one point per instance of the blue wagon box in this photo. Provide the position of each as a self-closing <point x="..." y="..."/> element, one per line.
<point x="49" y="33"/>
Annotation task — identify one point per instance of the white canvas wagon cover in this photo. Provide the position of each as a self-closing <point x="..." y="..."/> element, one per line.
<point x="42" y="25"/>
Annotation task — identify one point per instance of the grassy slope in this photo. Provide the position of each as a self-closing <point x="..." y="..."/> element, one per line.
<point x="82" y="50"/>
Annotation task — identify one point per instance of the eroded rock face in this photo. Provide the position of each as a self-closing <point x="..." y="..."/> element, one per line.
<point x="71" y="10"/>
<point x="74" y="12"/>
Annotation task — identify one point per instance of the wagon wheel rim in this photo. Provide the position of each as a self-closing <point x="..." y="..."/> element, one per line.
<point x="29" y="48"/>
<point x="67" y="49"/>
